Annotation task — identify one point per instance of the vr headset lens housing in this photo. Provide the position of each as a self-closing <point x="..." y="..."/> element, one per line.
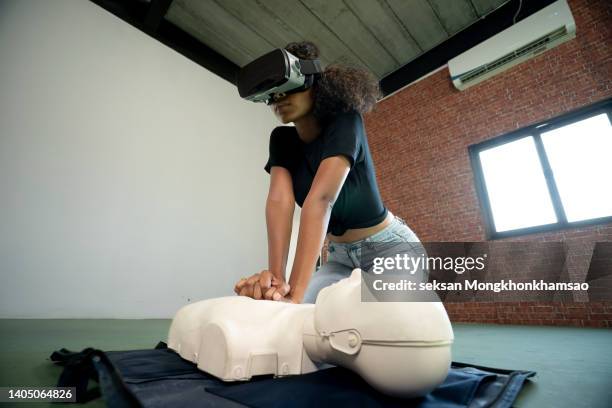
<point x="276" y="72"/>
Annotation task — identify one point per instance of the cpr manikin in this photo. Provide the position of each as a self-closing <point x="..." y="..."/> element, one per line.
<point x="400" y="348"/>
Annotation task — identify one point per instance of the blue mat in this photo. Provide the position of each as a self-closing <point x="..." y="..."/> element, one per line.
<point x="159" y="377"/>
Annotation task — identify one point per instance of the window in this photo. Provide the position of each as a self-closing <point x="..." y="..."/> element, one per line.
<point x="551" y="175"/>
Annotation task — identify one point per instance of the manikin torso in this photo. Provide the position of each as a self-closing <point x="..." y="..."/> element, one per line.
<point x="400" y="348"/>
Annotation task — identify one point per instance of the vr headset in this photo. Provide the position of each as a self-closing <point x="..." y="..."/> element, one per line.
<point x="276" y="72"/>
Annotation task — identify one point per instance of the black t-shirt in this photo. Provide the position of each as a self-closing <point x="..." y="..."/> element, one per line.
<point x="359" y="204"/>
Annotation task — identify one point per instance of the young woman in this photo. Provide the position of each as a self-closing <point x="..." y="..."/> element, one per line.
<point x="324" y="164"/>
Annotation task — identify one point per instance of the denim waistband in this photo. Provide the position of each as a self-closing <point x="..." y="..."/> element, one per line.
<point x="395" y="222"/>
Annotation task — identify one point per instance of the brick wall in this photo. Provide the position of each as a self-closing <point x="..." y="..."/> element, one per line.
<point x="419" y="138"/>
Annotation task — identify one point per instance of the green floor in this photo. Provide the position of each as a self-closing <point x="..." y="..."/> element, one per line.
<point x="574" y="365"/>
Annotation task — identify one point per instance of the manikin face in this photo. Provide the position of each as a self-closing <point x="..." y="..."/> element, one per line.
<point x="292" y="107"/>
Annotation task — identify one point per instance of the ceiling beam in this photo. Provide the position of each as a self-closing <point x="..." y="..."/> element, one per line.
<point x="155" y="14"/>
<point x="149" y="18"/>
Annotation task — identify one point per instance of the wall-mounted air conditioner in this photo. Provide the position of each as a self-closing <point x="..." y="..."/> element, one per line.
<point x="541" y="31"/>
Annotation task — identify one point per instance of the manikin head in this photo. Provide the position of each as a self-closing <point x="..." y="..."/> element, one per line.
<point x="400" y="348"/>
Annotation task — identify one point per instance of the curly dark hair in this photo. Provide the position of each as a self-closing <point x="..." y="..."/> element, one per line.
<point x="340" y="88"/>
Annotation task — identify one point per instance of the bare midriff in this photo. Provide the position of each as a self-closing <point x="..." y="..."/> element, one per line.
<point x="356" y="234"/>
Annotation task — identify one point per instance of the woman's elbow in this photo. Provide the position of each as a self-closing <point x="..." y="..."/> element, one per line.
<point x="325" y="201"/>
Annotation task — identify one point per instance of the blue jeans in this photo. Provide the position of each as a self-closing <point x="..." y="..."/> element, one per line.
<point x="342" y="258"/>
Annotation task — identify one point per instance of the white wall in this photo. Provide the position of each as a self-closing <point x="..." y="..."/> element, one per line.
<point x="131" y="179"/>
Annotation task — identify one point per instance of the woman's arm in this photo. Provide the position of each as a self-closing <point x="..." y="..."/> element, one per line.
<point x="316" y="211"/>
<point x="280" y="206"/>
